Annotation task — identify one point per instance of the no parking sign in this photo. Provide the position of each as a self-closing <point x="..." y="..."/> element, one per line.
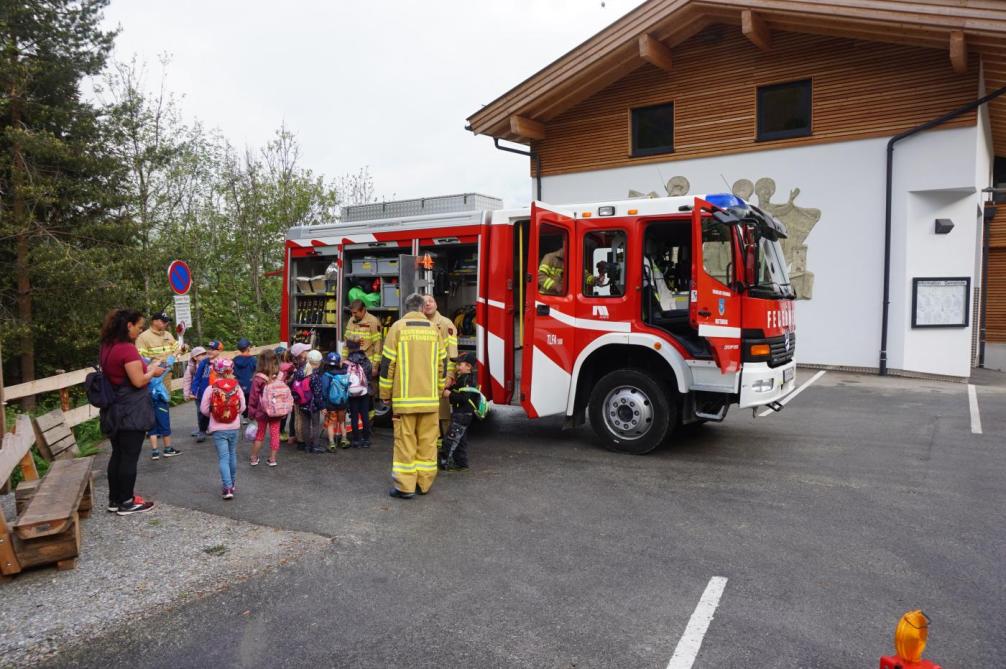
<point x="179" y="277"/>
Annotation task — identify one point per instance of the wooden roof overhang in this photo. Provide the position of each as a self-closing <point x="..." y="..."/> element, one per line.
<point x="963" y="28"/>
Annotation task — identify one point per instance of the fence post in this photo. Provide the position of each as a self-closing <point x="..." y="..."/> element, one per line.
<point x="64" y="395"/>
<point x="3" y="405"/>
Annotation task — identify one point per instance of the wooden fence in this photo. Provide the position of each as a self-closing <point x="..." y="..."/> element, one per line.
<point x="63" y="382"/>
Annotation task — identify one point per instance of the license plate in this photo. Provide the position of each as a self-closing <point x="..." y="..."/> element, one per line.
<point x="788" y="374"/>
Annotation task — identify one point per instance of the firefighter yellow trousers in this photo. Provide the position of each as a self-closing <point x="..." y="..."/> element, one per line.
<point x="415" y="458"/>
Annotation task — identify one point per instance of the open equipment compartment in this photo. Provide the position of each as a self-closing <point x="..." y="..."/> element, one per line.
<point x="372" y="273"/>
<point x="455" y="283"/>
<point x="313" y="299"/>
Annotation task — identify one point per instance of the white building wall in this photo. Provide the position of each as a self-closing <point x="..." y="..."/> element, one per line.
<point x="841" y="324"/>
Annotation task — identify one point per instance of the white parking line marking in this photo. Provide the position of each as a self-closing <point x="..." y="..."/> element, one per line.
<point x="976" y="419"/>
<point x="796" y="392"/>
<point x="690" y="642"/>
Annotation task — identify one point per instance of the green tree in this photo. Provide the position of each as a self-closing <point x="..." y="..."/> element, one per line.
<point x="59" y="185"/>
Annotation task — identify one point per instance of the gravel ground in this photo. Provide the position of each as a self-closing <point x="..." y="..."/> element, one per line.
<point x="132" y="567"/>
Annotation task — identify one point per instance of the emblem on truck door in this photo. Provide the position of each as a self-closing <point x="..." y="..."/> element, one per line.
<point x="722" y="306"/>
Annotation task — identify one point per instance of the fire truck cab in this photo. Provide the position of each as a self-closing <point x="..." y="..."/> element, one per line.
<point x="638" y="315"/>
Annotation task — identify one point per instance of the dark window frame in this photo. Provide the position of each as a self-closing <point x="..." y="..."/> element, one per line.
<point x="761" y="134"/>
<point x="634" y="131"/>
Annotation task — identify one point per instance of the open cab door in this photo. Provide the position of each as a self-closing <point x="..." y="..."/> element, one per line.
<point x="715" y="309"/>
<point x="547" y="361"/>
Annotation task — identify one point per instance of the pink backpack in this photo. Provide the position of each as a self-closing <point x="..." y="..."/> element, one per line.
<point x="277" y="400"/>
<point x="357" y="380"/>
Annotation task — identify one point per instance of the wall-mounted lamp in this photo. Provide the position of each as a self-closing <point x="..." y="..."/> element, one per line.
<point x="944" y="226"/>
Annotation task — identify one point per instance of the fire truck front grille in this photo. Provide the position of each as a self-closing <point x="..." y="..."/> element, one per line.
<point x="783" y="348"/>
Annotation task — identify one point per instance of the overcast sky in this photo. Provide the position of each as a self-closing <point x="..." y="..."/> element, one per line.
<point x="381" y="83"/>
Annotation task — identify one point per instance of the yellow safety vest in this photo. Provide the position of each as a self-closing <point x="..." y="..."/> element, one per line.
<point x="413" y="355"/>
<point x="368" y="329"/>
<point x="550" y="273"/>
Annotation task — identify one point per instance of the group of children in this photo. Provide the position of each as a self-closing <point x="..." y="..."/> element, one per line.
<point x="300" y="390"/>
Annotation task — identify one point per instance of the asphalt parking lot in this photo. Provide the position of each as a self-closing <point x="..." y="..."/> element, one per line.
<point x="863" y="499"/>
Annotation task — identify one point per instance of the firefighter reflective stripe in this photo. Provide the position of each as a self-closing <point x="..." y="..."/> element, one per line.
<point x="413" y="354"/>
<point x="426" y="465"/>
<point x="550" y="273"/>
<point x="403" y="467"/>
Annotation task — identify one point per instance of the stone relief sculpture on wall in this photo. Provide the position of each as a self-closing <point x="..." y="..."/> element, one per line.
<point x="799" y="222"/>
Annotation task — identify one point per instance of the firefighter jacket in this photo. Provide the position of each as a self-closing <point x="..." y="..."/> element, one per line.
<point x="550" y="281"/>
<point x="449" y="333"/>
<point x="411" y="364"/>
<point x="368" y="329"/>
<point x="156" y="345"/>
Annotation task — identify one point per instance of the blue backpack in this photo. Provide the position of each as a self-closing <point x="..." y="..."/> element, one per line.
<point x="338" y="389"/>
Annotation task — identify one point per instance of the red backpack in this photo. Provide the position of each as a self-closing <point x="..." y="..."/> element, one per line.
<point x="225" y="404"/>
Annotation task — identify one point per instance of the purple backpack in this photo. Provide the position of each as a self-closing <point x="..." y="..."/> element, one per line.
<point x="302" y="394"/>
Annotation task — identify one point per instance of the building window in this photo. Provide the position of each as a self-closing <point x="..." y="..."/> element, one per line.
<point x="552" y="244"/>
<point x="653" y="130"/>
<point x="604" y="263"/>
<point x="784" y="110"/>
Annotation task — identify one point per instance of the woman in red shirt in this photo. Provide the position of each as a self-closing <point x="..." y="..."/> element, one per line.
<point x="127" y="420"/>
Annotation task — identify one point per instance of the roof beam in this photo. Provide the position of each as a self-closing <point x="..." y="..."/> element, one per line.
<point x="756" y="30"/>
<point x="654" y="52"/>
<point x="527" y="127"/>
<point x="958" y="52"/>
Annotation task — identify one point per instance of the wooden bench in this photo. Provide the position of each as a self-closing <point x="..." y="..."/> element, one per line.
<point x="54" y="437"/>
<point x="47" y="528"/>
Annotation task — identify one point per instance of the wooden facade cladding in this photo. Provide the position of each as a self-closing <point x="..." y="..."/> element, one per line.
<point x="995" y="300"/>
<point x="860" y="90"/>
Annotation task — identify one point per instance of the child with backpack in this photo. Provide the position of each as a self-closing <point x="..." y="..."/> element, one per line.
<point x="223" y="403"/>
<point x="269" y="403"/>
<point x="160" y="395"/>
<point x="335" y="390"/>
<point x="203" y="379"/>
<point x="311" y="401"/>
<point x="360" y="372"/>
<point x="467" y="402"/>
<point x="300" y="386"/>
<point x="244" y="369"/>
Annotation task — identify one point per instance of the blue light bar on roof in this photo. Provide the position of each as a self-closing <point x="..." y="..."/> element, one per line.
<point x="726" y="201"/>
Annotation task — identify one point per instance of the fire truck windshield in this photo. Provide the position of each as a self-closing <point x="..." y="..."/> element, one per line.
<point x="767" y="272"/>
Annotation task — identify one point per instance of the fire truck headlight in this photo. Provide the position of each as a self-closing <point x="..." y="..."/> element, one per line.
<point x="910" y="636"/>
<point x="763" y="385"/>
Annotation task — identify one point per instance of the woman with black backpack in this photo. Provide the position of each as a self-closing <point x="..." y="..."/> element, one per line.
<point x="130" y="413"/>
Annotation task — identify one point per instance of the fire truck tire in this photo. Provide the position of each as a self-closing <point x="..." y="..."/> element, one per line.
<point x="632" y="412"/>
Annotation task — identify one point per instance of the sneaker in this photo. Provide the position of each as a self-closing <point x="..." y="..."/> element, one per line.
<point x="195" y="433"/>
<point x="271" y="463"/>
<point x="365" y="444"/>
<point x="301" y="446"/>
<point x="343" y="442"/>
<point x="332" y="447"/>
<point x="170" y="452"/>
<point x="356" y="444"/>
<point x="228" y="493"/>
<point x="112" y="507"/>
<point x="395" y="492"/>
<point x="200" y="438"/>
<point x="283" y="436"/>
<point x="156" y="454"/>
<point x="315" y="449"/>
<point x="254" y="462"/>
<point x="136" y="505"/>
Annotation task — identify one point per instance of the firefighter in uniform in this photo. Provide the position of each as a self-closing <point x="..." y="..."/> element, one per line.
<point x="449" y="333"/>
<point x="410" y="378"/>
<point x="365" y="326"/>
<point x="156" y="343"/>
<point x="550" y="272"/>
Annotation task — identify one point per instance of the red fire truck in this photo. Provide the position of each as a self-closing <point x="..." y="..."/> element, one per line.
<point x="641" y="315"/>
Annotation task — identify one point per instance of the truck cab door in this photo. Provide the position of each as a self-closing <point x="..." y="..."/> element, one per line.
<point x="548" y="343"/>
<point x="715" y="309"/>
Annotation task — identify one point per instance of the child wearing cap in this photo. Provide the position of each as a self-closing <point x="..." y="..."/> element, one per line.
<point x="296" y="373"/>
<point x="360" y="372"/>
<point x="454" y="456"/>
<point x="244" y="369"/>
<point x="222" y="404"/>
<point x="334" y="374"/>
<point x="198" y="353"/>
<point x="311" y="413"/>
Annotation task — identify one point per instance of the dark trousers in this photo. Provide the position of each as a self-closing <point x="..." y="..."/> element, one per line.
<point x="359" y="410"/>
<point x="204" y="421"/>
<point x="455" y="448"/>
<point x="126" y="448"/>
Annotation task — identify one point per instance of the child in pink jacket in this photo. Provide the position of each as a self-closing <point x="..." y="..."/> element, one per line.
<point x="224" y="402"/>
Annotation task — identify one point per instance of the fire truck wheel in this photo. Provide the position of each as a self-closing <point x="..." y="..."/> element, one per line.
<point x="631" y="411"/>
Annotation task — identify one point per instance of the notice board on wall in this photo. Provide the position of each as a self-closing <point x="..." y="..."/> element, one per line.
<point x="941" y="302"/>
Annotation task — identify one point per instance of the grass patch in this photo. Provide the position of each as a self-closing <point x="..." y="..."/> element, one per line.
<point x="154" y="523"/>
<point x="217" y="550"/>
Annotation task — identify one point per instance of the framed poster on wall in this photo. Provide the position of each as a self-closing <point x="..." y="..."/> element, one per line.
<point x="941" y="302"/>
